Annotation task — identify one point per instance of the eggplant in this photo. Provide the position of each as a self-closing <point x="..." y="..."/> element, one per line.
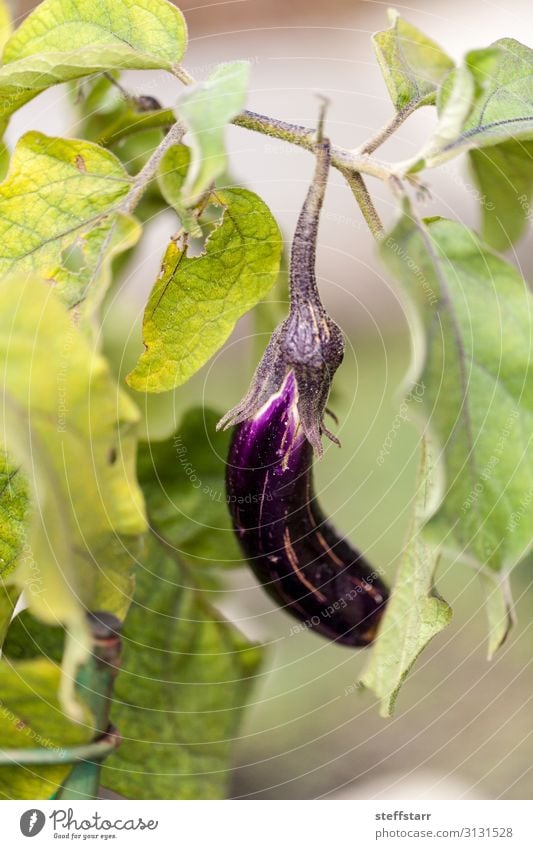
<point x="300" y="559"/>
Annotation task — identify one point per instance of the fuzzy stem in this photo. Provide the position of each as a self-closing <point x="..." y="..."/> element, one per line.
<point x="148" y="172"/>
<point x="366" y="204"/>
<point x="387" y="131"/>
<point x="341" y="158"/>
<point x="350" y="163"/>
<point x="302" y="280"/>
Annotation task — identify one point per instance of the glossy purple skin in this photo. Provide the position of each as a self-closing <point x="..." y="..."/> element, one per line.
<point x="305" y="566"/>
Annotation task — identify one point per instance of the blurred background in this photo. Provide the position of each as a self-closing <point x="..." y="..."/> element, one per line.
<point x="462" y="727"/>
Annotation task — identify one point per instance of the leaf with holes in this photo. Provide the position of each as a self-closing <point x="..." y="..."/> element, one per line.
<point x="196" y="301"/>
<point x="60" y="215"/>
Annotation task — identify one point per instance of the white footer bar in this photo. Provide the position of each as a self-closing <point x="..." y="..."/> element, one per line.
<point x="269" y="824"/>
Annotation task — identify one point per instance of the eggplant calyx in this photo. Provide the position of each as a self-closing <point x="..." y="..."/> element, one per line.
<point x="308" y="342"/>
<point x="312" y="351"/>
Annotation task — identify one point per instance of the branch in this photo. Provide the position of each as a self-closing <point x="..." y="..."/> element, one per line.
<point x="351" y="164"/>
<point x="366" y="204"/>
<point x="386" y="132"/>
<point x="346" y="161"/>
<point x="148" y="172"/>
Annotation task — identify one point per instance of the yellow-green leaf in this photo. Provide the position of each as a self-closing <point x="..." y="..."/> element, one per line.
<point x="13" y="513"/>
<point x="63" y="40"/>
<point x="412" y="64"/>
<point x="197" y="300"/>
<point x="8" y="599"/>
<point x="6" y="24"/>
<point x="171" y="176"/>
<point x="32" y="718"/>
<point x="73" y="431"/>
<point x="60" y="214"/>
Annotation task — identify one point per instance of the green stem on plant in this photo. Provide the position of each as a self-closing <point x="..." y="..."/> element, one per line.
<point x="387" y="131"/>
<point x="350" y="163"/>
<point x="148" y="172"/>
<point x="365" y="203"/>
<point x="341" y="158"/>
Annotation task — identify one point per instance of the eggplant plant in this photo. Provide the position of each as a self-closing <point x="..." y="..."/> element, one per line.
<point x="118" y="668"/>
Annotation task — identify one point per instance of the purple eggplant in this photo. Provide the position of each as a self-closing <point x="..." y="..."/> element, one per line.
<point x="297" y="555"/>
<point x="302" y="562"/>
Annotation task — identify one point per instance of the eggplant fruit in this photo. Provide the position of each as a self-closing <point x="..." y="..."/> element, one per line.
<point x="302" y="562"/>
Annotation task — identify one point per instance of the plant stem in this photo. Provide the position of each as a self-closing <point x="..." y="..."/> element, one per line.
<point x="390" y="127"/>
<point x="350" y="163"/>
<point x="366" y="204"/>
<point x="148" y="172"/>
<point x="341" y="158"/>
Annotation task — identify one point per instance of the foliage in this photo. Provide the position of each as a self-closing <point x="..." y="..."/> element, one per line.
<point x="415" y="613"/>
<point x="413" y="65"/>
<point x="197" y="300"/>
<point x="90" y="519"/>
<point x="185" y="677"/>
<point x="183" y="481"/>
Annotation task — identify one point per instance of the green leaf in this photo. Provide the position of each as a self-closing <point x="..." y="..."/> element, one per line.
<point x="8" y="599"/>
<point x="109" y="117"/>
<point x="206" y="109"/>
<point x="504" y="174"/>
<point x="197" y="300"/>
<point x="498" y="607"/>
<point x="31" y="717"/>
<point x="179" y="696"/>
<point x="13" y="513"/>
<point x="183" y="482"/>
<point x="73" y="431"/>
<point x="171" y="176"/>
<point x="487" y="101"/>
<point x="6" y="24"/>
<point x="172" y="173"/>
<point x="412" y="64"/>
<point x="131" y="122"/>
<point x="459" y="93"/>
<point x="415" y="613"/>
<point x="28" y="637"/>
<point x="475" y="311"/>
<point x="60" y="214"/>
<point x="64" y="40"/>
